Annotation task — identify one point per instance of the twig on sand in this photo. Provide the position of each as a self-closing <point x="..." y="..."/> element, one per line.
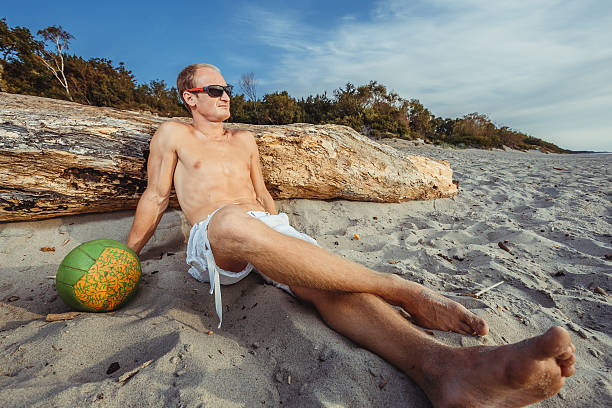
<point x="58" y="317"/>
<point x="480" y="293"/>
<point x="600" y="291"/>
<point x="559" y="168"/>
<point x="445" y="257"/>
<point x="126" y="376"/>
<point x="504" y="247"/>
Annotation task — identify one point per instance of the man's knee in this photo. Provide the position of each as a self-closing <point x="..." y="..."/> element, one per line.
<point x="228" y="225"/>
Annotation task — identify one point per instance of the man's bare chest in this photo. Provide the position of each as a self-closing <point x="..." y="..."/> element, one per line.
<point x="214" y="158"/>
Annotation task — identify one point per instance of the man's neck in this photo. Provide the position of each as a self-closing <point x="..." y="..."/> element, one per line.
<point x="212" y="130"/>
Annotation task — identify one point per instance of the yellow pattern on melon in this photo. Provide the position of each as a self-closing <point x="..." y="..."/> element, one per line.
<point x="109" y="280"/>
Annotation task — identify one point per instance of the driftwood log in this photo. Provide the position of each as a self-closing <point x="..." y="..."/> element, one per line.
<point x="59" y="158"/>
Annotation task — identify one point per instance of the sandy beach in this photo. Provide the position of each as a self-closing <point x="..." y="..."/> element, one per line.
<point x="551" y="212"/>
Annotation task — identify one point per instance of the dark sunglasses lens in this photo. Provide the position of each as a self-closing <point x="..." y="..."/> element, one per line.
<point x="215" y="91"/>
<point x="229" y="90"/>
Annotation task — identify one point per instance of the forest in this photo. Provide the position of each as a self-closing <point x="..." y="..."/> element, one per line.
<point x="40" y="65"/>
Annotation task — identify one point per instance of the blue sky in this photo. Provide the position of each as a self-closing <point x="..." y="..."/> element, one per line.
<point x="541" y="66"/>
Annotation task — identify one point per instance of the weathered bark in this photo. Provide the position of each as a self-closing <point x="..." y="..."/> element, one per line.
<point x="59" y="158"/>
<point x="333" y="161"/>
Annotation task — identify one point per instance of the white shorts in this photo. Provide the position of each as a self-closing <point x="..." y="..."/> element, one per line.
<point x="202" y="262"/>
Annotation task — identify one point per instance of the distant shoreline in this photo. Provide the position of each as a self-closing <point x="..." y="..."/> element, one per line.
<point x="587" y="152"/>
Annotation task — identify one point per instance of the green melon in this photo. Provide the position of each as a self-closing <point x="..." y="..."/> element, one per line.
<point x="98" y="276"/>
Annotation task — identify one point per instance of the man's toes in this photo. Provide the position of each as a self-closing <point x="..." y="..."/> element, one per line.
<point x="568" y="371"/>
<point x="482" y="327"/>
<point x="464" y="328"/>
<point x="477" y="324"/>
<point x="567" y="362"/>
<point x="565" y="355"/>
<point x="553" y="343"/>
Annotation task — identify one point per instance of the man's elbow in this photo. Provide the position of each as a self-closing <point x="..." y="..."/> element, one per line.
<point x="155" y="198"/>
<point x="163" y="203"/>
<point x="268" y="203"/>
<point x="269" y="196"/>
<point x="262" y="196"/>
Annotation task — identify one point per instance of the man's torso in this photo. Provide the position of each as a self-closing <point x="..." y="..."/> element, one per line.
<point x="211" y="174"/>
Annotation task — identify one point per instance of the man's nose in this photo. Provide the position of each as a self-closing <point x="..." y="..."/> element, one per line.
<point x="225" y="96"/>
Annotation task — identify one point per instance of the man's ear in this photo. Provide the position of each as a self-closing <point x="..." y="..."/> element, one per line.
<point x="189" y="99"/>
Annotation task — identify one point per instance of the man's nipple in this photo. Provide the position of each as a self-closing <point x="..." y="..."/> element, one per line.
<point x="197" y="164"/>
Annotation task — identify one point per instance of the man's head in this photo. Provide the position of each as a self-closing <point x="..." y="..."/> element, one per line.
<point x="203" y="101"/>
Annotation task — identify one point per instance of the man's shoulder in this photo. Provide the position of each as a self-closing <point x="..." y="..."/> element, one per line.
<point x="170" y="131"/>
<point x="173" y="126"/>
<point x="243" y="135"/>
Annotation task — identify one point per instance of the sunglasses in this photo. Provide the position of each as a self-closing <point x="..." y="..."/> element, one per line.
<point x="214" y="91"/>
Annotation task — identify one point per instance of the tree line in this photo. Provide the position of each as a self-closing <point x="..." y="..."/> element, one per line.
<point x="40" y="65"/>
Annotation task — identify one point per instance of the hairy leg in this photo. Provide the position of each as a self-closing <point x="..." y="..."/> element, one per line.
<point x="507" y="376"/>
<point x="236" y="239"/>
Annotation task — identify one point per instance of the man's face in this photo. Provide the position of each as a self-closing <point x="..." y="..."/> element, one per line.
<point x="212" y="109"/>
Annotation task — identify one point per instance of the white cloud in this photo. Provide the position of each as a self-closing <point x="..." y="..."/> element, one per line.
<point x="542" y="67"/>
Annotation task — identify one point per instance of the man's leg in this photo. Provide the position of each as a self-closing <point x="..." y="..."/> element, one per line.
<point x="507" y="376"/>
<point x="237" y="238"/>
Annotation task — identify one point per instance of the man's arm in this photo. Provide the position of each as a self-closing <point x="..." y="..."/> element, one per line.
<point x="154" y="200"/>
<point x="262" y="193"/>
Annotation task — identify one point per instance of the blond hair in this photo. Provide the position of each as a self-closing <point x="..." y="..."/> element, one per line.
<point x="185" y="79"/>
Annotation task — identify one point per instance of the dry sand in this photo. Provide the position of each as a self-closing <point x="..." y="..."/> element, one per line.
<point x="274" y="351"/>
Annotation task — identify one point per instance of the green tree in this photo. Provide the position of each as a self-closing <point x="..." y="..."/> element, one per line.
<point x="510" y="137"/>
<point x="370" y="109"/>
<point x="279" y="108"/>
<point x="317" y="109"/>
<point x="242" y="110"/>
<point x="475" y="129"/>
<point x="420" y="120"/>
<point x="23" y="72"/>
<point x="8" y="41"/>
<point x="348" y="107"/>
<point x="442" y="128"/>
<point x="157" y="97"/>
<point x="384" y="113"/>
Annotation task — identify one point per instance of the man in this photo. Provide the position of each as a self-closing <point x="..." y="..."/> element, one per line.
<point x="220" y="188"/>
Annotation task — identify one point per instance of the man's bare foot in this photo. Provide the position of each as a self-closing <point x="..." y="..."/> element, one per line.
<point x="508" y="376"/>
<point x="434" y="311"/>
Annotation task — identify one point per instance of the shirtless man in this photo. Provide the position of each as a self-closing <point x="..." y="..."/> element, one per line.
<point x="218" y="171"/>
